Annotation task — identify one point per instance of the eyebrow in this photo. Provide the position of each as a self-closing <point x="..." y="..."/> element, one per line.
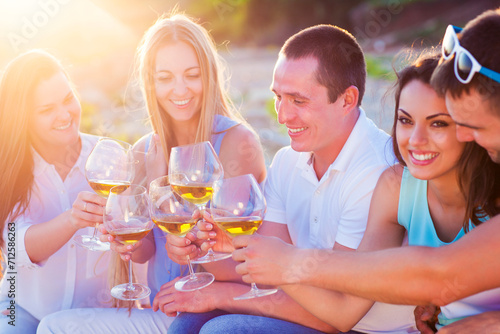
<point x="428" y="117"/>
<point x="187" y="69"/>
<point x="468" y="126"/>
<point x="293" y="94"/>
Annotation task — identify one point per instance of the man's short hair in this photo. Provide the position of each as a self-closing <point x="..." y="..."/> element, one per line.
<point x="341" y="63"/>
<point x="481" y="37"/>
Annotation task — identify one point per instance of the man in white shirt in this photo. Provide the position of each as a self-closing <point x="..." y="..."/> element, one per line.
<point x="319" y="188"/>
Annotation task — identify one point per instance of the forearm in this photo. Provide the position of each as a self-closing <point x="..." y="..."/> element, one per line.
<point x="340" y="310"/>
<point x="44" y="239"/>
<point x="278" y="305"/>
<point x="408" y="275"/>
<point x="223" y="270"/>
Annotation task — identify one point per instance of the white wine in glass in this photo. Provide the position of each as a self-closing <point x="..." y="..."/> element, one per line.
<point x="127" y="219"/>
<point x="238" y="208"/>
<point x="110" y="164"/>
<point x="192" y="170"/>
<point x="174" y="215"/>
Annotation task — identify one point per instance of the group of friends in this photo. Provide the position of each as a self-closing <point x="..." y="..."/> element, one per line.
<point x="364" y="232"/>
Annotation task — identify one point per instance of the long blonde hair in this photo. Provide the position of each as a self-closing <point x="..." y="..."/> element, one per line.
<point x="175" y="28"/>
<point x="17" y="85"/>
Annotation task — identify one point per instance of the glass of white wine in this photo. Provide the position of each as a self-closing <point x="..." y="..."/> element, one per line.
<point x="192" y="170"/>
<point x="127" y="219"/>
<point x="110" y="164"/>
<point x="174" y="215"/>
<point x="238" y="208"/>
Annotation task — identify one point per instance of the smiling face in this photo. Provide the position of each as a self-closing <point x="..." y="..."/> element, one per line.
<point x="178" y="82"/>
<point x="425" y="133"/>
<point x="476" y="121"/>
<point x="55" y="116"/>
<point x="314" y="124"/>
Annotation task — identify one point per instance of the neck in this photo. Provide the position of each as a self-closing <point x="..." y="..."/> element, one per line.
<point x="185" y="131"/>
<point x="63" y="158"/>
<point x="324" y="157"/>
<point x="446" y="190"/>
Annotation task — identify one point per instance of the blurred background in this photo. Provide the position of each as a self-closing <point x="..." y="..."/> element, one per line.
<point x="96" y="40"/>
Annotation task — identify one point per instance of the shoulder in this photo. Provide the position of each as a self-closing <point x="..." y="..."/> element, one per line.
<point x="140" y="144"/>
<point x="390" y="179"/>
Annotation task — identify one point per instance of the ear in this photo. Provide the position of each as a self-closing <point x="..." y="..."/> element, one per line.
<point x="351" y="96"/>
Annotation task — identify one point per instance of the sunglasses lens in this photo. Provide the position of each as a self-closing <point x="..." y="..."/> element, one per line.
<point x="464" y="66"/>
<point x="448" y="43"/>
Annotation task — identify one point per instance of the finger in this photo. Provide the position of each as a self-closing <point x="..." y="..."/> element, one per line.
<point x="173" y="240"/>
<point x="204" y="226"/>
<point x="92" y="197"/>
<point x="241" y="269"/>
<point x="239" y="255"/>
<point x="241" y="241"/>
<point x="206" y="235"/>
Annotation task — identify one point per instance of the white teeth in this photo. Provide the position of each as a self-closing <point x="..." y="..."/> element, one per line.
<point x="296" y="130"/>
<point x="422" y="157"/>
<point x="64" y="127"/>
<point x="180" y="102"/>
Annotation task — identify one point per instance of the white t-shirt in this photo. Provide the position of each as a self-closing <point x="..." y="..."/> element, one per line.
<point x="319" y="213"/>
<point x="73" y="276"/>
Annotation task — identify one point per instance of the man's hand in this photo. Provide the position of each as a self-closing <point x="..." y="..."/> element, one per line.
<point x="426" y="318"/>
<point x="266" y="260"/>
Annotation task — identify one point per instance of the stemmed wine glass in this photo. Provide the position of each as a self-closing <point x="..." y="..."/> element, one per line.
<point x="192" y="170"/>
<point x="110" y="164"/>
<point x="238" y="207"/>
<point x="174" y="215"/>
<point x="126" y="218"/>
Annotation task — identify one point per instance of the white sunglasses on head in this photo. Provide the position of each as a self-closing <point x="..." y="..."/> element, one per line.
<point x="465" y="64"/>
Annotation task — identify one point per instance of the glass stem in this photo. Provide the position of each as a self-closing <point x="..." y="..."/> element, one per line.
<point x="94" y="236"/>
<point x="130" y="284"/>
<point x="253" y="287"/>
<point x="191" y="271"/>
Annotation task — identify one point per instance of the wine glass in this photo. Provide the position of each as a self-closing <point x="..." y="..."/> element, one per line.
<point x="126" y="218"/>
<point x="174" y="215"/>
<point x="110" y="164"/>
<point x="238" y="207"/>
<point x="192" y="171"/>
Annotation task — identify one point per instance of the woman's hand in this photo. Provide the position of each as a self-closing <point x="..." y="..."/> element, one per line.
<point x="219" y="240"/>
<point x="179" y="248"/>
<point x="124" y="250"/>
<point x="87" y="210"/>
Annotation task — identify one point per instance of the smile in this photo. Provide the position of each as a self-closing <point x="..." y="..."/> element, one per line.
<point x="63" y="127"/>
<point x="424" y="157"/>
<point x="297" y="130"/>
<point x="180" y="102"/>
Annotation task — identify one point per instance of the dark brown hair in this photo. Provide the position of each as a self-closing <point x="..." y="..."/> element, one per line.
<point x="481" y="37"/>
<point x="341" y="63"/>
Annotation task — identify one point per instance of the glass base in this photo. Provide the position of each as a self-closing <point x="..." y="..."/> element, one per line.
<point x="129" y="291"/>
<point x="190" y="283"/>
<point x="211" y="257"/>
<point x="255" y="292"/>
<point x="91" y="243"/>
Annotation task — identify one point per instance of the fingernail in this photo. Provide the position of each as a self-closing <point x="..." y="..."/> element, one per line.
<point x="129" y="247"/>
<point x="109" y="238"/>
<point x="208" y="226"/>
<point x="212" y="234"/>
<point x="188" y="242"/>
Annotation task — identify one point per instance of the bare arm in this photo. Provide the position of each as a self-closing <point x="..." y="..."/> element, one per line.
<point x="44" y="239"/>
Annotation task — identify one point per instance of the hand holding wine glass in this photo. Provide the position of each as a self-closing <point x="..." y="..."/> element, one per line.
<point x="238" y="207"/>
<point x="176" y="216"/>
<point x="127" y="219"/>
<point x="111" y="163"/>
<point x="192" y="170"/>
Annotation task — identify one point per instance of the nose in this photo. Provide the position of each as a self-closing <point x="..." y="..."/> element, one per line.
<point x="284" y="113"/>
<point x="418" y="136"/>
<point x="464" y="133"/>
<point x="180" y="87"/>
